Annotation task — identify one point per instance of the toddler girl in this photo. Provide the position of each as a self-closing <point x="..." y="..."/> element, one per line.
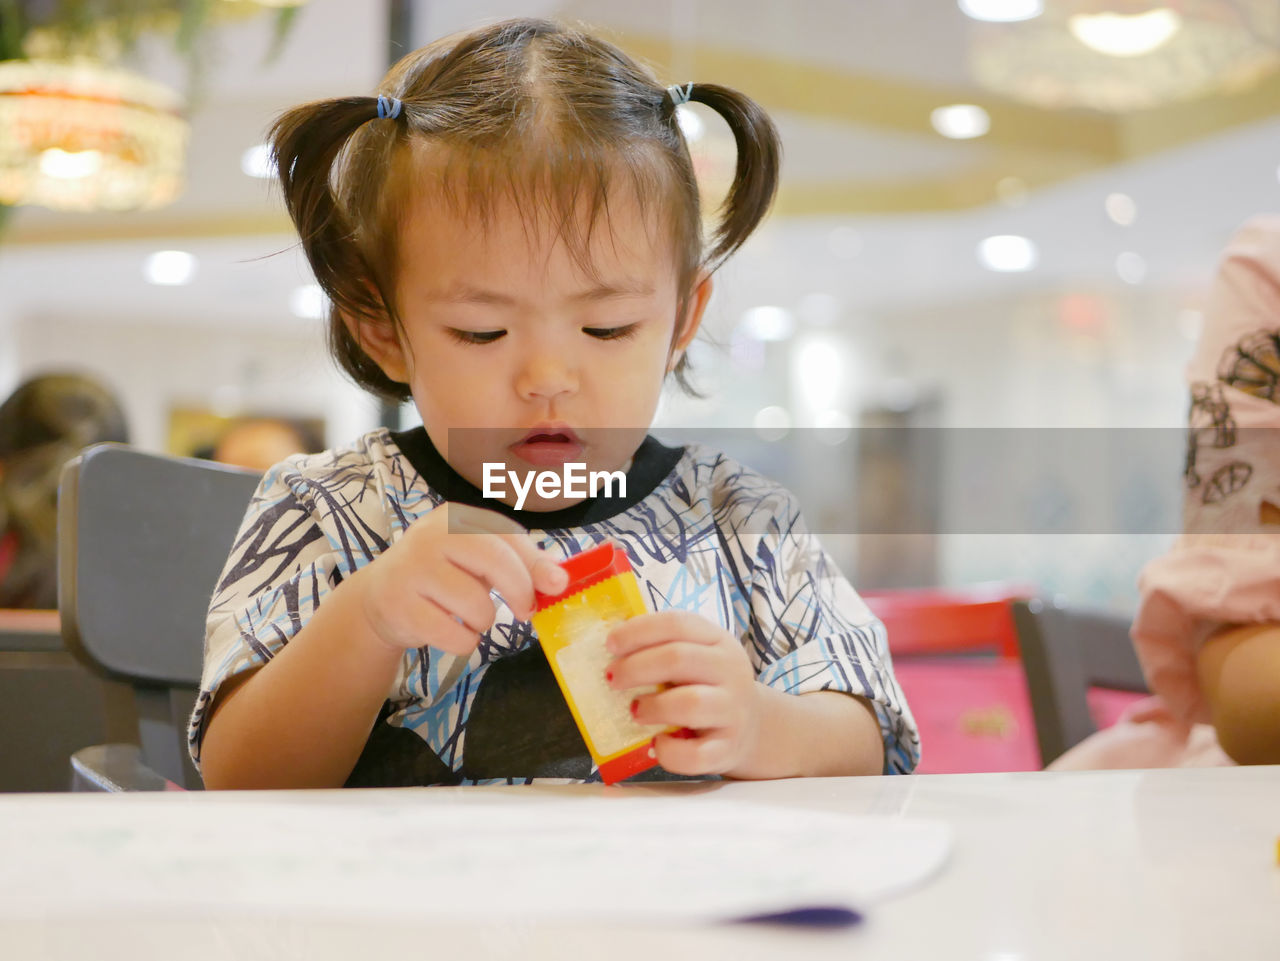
<point x="510" y="235"/>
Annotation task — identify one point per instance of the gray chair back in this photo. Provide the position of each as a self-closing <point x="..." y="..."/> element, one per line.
<point x="142" y="538"/>
<point x="1066" y="651"/>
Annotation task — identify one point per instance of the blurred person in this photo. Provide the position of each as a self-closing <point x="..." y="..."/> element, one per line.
<point x="44" y="423"/>
<point x="1207" y="630"/>
<point x="1208" y="627"/>
<point x="258" y="443"/>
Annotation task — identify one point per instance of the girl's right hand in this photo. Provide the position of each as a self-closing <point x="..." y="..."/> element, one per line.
<point x="431" y="588"/>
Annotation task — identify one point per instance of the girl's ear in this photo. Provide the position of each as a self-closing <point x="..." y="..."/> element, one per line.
<point x="380" y="340"/>
<point x="695" y="307"/>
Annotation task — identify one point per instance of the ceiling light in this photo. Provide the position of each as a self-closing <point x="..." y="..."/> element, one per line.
<point x="1007" y="253"/>
<point x="169" y="268"/>
<point x="768" y="323"/>
<point x="818" y="372"/>
<point x="1131" y="268"/>
<point x="70" y="165"/>
<point x="691" y="124"/>
<point x="961" y="121"/>
<point x="1121" y="63"/>
<point x="81" y="135"/>
<point x="1001" y="11"/>
<point x="257" y="162"/>
<point x="1125" y="35"/>
<point x="772" y="423"/>
<point x="308" y="302"/>
<point x="1121" y="209"/>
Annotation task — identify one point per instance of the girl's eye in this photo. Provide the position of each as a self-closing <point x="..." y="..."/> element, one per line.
<point x="610" y="333"/>
<point x="476" y="336"/>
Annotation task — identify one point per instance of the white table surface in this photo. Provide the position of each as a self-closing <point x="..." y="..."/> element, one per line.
<point x="1165" y="864"/>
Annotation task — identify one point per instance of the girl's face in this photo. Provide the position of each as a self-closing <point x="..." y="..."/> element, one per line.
<point x="516" y="356"/>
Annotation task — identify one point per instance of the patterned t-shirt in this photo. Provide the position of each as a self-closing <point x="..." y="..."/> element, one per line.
<point x="703" y="533"/>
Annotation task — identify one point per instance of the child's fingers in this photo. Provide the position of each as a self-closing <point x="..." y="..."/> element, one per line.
<point x="436" y="627"/>
<point x="697" y="706"/>
<point x="671" y="663"/>
<point x="649" y="630"/>
<point x="708" y="753"/>
<point x="491" y="559"/>
<point x="459" y="592"/>
<point x="546" y="574"/>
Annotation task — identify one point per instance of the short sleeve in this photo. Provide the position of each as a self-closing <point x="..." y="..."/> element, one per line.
<point x="281" y="566"/>
<point x="1225" y="569"/>
<point x="810" y="631"/>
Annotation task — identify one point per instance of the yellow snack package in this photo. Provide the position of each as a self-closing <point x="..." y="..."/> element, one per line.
<point x="572" y="627"/>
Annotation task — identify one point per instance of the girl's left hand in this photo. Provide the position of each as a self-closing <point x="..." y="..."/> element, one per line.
<point x="712" y="700"/>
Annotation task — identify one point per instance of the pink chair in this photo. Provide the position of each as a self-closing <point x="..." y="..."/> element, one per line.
<point x="937" y="620"/>
<point x="955" y="653"/>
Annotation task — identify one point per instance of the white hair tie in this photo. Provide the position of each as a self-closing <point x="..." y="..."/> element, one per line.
<point x="680" y="94"/>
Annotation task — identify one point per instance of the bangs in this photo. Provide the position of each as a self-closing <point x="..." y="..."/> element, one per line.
<point x="562" y="191"/>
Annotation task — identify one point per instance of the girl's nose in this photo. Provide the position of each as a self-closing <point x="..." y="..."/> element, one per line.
<point x="546" y="373"/>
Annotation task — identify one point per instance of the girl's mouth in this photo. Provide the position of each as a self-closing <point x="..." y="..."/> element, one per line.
<point x="549" y="446"/>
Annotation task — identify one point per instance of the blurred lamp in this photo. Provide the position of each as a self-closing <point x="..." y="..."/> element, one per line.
<point x="691" y="124"/>
<point x="78" y="135"/>
<point x="1007" y="253"/>
<point x="1126" y="55"/>
<point x="1131" y="267"/>
<point x="1121" y="208"/>
<point x="308" y="302"/>
<point x="772" y="423"/>
<point x="1001" y="11"/>
<point x="257" y="162"/>
<point x="1125" y="35"/>
<point x="960" y="121"/>
<point x="768" y="323"/>
<point x="169" y="268"/>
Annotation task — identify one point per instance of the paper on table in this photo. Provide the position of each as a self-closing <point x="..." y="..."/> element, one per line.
<point x="586" y="858"/>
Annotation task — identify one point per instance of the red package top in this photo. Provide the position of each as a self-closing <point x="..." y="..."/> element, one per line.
<point x="590" y="567"/>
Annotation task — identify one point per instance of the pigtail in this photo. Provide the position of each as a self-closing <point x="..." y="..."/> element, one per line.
<point x="755" y="180"/>
<point x="306" y="141"/>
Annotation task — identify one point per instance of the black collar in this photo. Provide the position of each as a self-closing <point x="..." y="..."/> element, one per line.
<point x="652" y="464"/>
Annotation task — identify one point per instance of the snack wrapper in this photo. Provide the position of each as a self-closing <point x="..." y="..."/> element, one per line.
<point x="572" y="627"/>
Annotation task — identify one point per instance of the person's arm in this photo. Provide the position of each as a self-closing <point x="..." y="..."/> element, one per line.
<point x="1239" y="670"/>
<point x="822" y="734"/>
<point x="724" y="720"/>
<point x="302" y="719"/>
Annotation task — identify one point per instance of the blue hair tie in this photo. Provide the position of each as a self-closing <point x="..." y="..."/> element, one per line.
<point x="388" y="108"/>
<point x="680" y="95"/>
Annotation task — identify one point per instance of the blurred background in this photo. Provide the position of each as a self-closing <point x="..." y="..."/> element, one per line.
<point x="994" y="214"/>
